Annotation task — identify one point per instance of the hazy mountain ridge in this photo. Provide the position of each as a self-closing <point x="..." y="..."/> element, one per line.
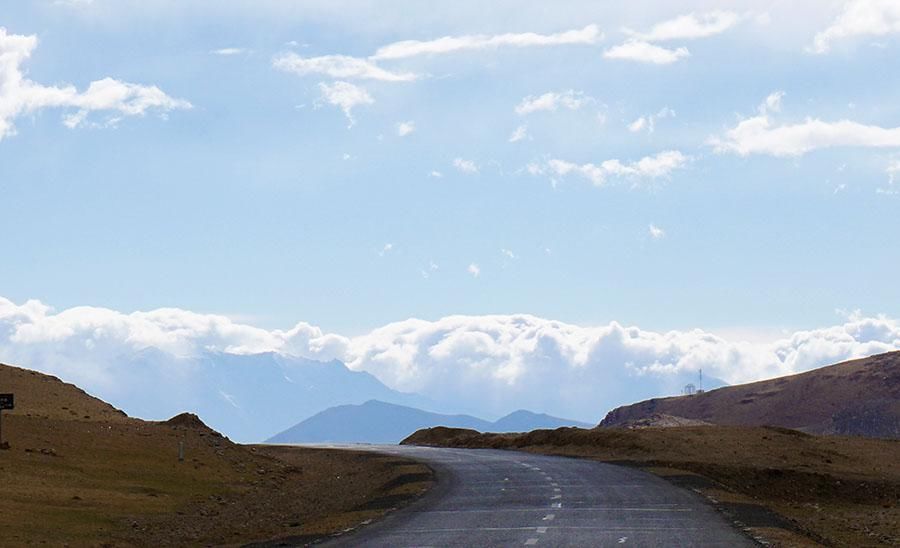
<point x="248" y="397"/>
<point x="857" y="397"/>
<point x="380" y="422"/>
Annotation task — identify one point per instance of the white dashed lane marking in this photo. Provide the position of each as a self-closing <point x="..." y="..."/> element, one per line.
<point x="531" y="542"/>
<point x="549" y="517"/>
<point x="541" y="530"/>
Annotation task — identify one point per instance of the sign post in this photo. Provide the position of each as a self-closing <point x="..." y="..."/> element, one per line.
<point x="7" y="401"/>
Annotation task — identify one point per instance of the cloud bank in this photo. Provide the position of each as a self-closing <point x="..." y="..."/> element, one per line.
<point x="492" y="364"/>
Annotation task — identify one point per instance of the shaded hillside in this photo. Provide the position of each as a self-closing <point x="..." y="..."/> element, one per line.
<point x="858" y="397"/>
<point x="379" y="422"/>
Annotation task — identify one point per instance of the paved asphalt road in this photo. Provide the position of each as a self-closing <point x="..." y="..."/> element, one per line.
<point x="506" y="498"/>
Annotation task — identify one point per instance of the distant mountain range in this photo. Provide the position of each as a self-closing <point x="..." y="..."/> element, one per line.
<point x="858" y="397"/>
<point x="247" y="397"/>
<point x="380" y="422"/>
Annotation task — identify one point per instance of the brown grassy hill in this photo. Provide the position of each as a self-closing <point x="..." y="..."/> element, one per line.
<point x="78" y="472"/>
<point x="859" y="397"/>
<point x="44" y="396"/>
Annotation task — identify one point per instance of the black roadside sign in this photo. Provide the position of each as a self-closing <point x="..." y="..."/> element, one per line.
<point x="7" y="401"/>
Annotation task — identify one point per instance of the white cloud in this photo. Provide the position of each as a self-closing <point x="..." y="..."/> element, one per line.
<point x="643" y="47"/>
<point x="474" y="270"/>
<point x="860" y="18"/>
<point x="758" y="135"/>
<point x="508" y="254"/>
<point x="649" y="122"/>
<point x="519" y="134"/>
<point x="450" y="44"/>
<point x="387" y="248"/>
<point x="524" y="361"/>
<point x="656" y="233"/>
<point x="338" y="66"/>
<point x="691" y="26"/>
<point x="649" y="167"/>
<point x="346" y="96"/>
<point x="638" y="124"/>
<point x="436" y="174"/>
<point x="465" y="166"/>
<point x="552" y="101"/>
<point x="73" y="3"/>
<point x="493" y="364"/>
<point x="19" y="95"/>
<point x="405" y="128"/>
<point x="893" y="170"/>
<point x="229" y="51"/>
<point x="772" y="103"/>
<point x="645" y="52"/>
<point x="431" y="269"/>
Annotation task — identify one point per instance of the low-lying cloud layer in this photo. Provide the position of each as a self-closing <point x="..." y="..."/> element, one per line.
<point x="490" y="364"/>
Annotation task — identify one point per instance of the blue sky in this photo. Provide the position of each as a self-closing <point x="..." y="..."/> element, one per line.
<point x="242" y="191"/>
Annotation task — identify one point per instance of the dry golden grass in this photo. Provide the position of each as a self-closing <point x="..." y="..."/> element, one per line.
<point x="78" y="472"/>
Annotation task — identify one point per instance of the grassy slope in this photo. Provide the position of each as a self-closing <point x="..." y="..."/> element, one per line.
<point x="843" y="490"/>
<point x="858" y="397"/>
<point x="82" y="473"/>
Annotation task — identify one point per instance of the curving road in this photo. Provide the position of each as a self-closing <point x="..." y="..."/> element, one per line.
<point x="504" y="498"/>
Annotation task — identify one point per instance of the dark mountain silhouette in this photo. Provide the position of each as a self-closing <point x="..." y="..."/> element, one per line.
<point x="380" y="422"/>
